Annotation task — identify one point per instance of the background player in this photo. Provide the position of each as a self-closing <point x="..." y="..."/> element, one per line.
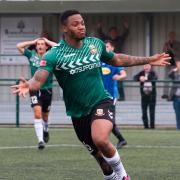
<point x="41" y="99"/>
<point x="75" y="61"/>
<point x="110" y="76"/>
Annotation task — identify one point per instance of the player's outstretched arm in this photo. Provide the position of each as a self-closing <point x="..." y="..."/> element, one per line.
<point x="127" y="60"/>
<point x="33" y="84"/>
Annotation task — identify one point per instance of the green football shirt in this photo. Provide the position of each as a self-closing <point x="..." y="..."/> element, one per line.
<point x="34" y="62"/>
<point x="78" y="72"/>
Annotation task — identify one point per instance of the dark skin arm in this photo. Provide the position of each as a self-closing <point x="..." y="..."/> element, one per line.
<point x="40" y="76"/>
<point x="127" y="60"/>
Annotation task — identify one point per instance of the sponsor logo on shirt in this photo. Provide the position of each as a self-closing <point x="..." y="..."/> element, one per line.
<point x="43" y="63"/>
<point x="84" y="68"/>
<point x="80" y="65"/>
<point x="99" y="112"/>
<point x="106" y="70"/>
<point x="69" y="55"/>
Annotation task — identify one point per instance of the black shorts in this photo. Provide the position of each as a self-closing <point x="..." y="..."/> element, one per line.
<point x="42" y="98"/>
<point x="103" y="110"/>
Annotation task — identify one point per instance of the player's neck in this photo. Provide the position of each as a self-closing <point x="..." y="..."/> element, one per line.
<point x="73" y="42"/>
<point x="40" y="54"/>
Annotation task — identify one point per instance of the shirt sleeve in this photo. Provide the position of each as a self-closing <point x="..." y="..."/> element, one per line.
<point x="47" y="62"/>
<point x="106" y="56"/>
<point x="27" y="53"/>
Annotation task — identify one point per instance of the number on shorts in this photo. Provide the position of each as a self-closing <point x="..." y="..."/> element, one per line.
<point x="34" y="99"/>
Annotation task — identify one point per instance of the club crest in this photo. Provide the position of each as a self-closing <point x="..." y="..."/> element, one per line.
<point x="99" y="112"/>
<point x="93" y="49"/>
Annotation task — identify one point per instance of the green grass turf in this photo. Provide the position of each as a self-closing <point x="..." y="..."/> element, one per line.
<point x="150" y="155"/>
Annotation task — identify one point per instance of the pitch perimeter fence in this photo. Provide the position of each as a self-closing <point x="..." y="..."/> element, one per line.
<point x="15" y="110"/>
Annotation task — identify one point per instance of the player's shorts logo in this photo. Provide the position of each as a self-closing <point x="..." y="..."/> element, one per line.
<point x="99" y="112"/>
<point x="110" y="114"/>
<point x="88" y="147"/>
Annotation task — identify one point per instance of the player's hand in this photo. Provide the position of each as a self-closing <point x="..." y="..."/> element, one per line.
<point x="116" y="77"/>
<point x="45" y="39"/>
<point x="159" y="59"/>
<point x="35" y="40"/>
<point x="175" y="69"/>
<point x="142" y="78"/>
<point x="22" y="89"/>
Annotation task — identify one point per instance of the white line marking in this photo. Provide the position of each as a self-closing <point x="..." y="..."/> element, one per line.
<point x="76" y="145"/>
<point x="32" y="147"/>
<point x="152" y="147"/>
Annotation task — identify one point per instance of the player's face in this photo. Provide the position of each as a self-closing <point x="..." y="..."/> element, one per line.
<point x="147" y="68"/>
<point x="41" y="46"/>
<point x="75" y="27"/>
<point x="113" y="34"/>
<point x="109" y="47"/>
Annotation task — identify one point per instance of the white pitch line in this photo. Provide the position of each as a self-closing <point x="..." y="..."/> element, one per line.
<point x="153" y="147"/>
<point x="76" y="145"/>
<point x="32" y="147"/>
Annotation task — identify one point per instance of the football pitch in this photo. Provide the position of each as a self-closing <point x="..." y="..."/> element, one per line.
<point x="149" y="155"/>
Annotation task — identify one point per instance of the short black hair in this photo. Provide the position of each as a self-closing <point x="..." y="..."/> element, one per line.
<point x="66" y="14"/>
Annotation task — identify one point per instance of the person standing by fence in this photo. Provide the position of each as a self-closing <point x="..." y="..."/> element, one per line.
<point x="172" y="47"/>
<point x="175" y="92"/>
<point x="147" y="79"/>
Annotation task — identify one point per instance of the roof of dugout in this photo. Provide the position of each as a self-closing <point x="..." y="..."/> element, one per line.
<point x="101" y="6"/>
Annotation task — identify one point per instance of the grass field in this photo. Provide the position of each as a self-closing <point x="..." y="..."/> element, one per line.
<point x="150" y="155"/>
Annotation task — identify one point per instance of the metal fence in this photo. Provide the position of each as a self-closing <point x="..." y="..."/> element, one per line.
<point x="16" y="111"/>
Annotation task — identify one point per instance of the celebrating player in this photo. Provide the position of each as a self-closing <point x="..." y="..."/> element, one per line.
<point x="40" y="98"/>
<point x="75" y="61"/>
